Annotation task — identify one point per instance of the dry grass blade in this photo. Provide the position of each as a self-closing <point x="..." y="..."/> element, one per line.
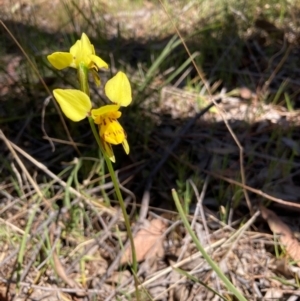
<point x="33" y="66"/>
<point x="42" y="167"/>
<point x="59" y="267"/>
<point x="220" y="111"/>
<point x="256" y="191"/>
<point x="167" y="270"/>
<point x="24" y="169"/>
<point x="245" y="57"/>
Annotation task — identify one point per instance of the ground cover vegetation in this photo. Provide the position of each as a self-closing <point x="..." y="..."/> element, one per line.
<point x="205" y="159"/>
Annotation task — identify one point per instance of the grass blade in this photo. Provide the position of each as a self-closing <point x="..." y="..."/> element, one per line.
<point x="213" y="264"/>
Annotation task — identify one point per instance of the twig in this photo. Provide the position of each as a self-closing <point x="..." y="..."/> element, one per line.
<point x="179" y="264"/>
<point x="24" y="169"/>
<point x="44" y="84"/>
<point x="201" y="75"/>
<point x="256" y="191"/>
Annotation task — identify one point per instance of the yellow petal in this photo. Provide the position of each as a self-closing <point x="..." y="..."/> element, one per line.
<point x="93" y="49"/>
<point x="104" y="110"/>
<point x="81" y="51"/>
<point x="96" y="77"/>
<point x="118" y="89"/>
<point x="77" y="54"/>
<point x="98" y="61"/>
<point x="108" y="151"/>
<point x="126" y="146"/>
<point x="75" y="104"/>
<point x="86" y="47"/>
<point x="75" y="49"/>
<point x="60" y="60"/>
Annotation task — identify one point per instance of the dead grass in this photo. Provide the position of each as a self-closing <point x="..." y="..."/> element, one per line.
<point x="62" y="235"/>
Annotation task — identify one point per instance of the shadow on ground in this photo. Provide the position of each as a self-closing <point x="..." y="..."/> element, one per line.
<point x="271" y="149"/>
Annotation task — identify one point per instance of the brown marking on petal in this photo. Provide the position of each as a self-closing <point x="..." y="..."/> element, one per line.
<point x="112" y="119"/>
<point x="106" y="134"/>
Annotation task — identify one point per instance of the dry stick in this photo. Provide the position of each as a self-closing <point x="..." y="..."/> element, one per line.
<point x="231" y="181"/>
<point x="13" y="227"/>
<point x="170" y="149"/>
<point x="45" y="86"/>
<point x="61" y="141"/>
<point x="233" y="239"/>
<point x="243" y="184"/>
<point x="29" y="238"/>
<point x="200" y="73"/>
<point x="199" y="209"/>
<point x="98" y="241"/>
<point x="24" y="169"/>
<point x="256" y="191"/>
<point x="145" y="201"/>
<point x="48" y="172"/>
<point x="278" y="67"/>
<point x="99" y="292"/>
<point x="42" y="167"/>
<point x="125" y="283"/>
<point x="14" y="201"/>
<point x="46" y="102"/>
<point x="18" y="176"/>
<point x="11" y="256"/>
<point x="117" y="259"/>
<point x="59" y="267"/>
<point x="169" y="269"/>
<point x="37" y="249"/>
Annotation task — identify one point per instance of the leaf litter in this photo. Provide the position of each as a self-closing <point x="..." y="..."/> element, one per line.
<point x="246" y="254"/>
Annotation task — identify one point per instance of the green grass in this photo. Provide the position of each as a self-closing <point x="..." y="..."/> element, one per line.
<point x="236" y="44"/>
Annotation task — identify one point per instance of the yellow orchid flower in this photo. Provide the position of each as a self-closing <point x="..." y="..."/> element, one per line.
<point x="76" y="105"/>
<point x="110" y="130"/>
<point x="82" y="52"/>
<point x="118" y="90"/>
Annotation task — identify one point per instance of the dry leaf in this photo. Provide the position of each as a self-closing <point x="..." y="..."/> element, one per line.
<point x="246" y="93"/>
<point x="273" y="293"/>
<point x="119" y="277"/>
<point x="148" y="242"/>
<point x="286" y="236"/>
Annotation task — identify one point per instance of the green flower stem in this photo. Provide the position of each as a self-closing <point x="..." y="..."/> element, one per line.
<point x="84" y="86"/>
<point x="83" y="79"/>
<point x="118" y="192"/>
<point x="121" y="201"/>
<point x="209" y="260"/>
